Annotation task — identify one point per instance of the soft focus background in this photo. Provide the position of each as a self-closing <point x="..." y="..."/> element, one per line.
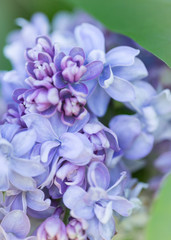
<point x="148" y="23"/>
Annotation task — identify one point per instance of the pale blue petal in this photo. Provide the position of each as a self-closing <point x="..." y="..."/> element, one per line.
<point x="23" y="142"/>
<point x="134" y="72"/>
<point x="22" y="183"/>
<point x="127" y="128"/>
<point x="16" y="222"/>
<point x="141" y="147"/>
<point x="98" y="101"/>
<point x="121" y="56"/>
<point x="117" y="88"/>
<point x="41" y="125"/>
<point x="27" y="167"/>
<point x="89" y="37"/>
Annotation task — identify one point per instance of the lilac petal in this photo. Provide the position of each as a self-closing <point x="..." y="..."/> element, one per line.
<point x="9" y="130"/>
<point x="41" y="22"/>
<point x="134" y="72"/>
<point x="73" y="195"/>
<point x="163" y="162"/>
<point x="23" y="142"/>
<point x="58" y="81"/>
<point x="17" y="93"/>
<point x="162" y="102"/>
<point x="45" y="43"/>
<point x="19" y="202"/>
<point x="22" y="183"/>
<point x="41" y="214"/>
<point x="69" y="121"/>
<point x="30" y="69"/>
<point x="49" y="112"/>
<point x="46" y="147"/>
<point x="16" y="222"/>
<point x="118" y="186"/>
<point x="41" y="125"/>
<point x="28" y="168"/>
<point x="79" y="124"/>
<point x="52" y="172"/>
<point x="121" y="56"/>
<point x="58" y="60"/>
<point x="103" y="213"/>
<point x="44" y="57"/>
<point x="77" y="51"/>
<point x="127" y="129"/>
<point x="99" y="107"/>
<point x="96" y="55"/>
<point x="91" y="85"/>
<point x="93" y="230"/>
<point x="79" y="89"/>
<point x="94" y="69"/>
<point x="119" y="89"/>
<point x="113" y="140"/>
<point x="76" y="148"/>
<point x="98" y="175"/>
<point x="141" y="147"/>
<point x="89" y="37"/>
<point x="4" y="180"/>
<point x="57" y="124"/>
<point x="35" y="200"/>
<point x="122" y="206"/>
<point x="144" y="93"/>
<point x="107" y="231"/>
<point x="80" y="209"/>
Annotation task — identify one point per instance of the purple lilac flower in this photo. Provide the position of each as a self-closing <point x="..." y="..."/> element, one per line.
<point x="76" y="229"/>
<point x="52" y="228"/>
<point x="28" y="202"/>
<point x="104" y="140"/>
<point x="121" y="67"/>
<point x="137" y="133"/>
<point x="16" y="168"/>
<point x="67" y="174"/>
<point x="96" y="206"/>
<point x="56" y="81"/>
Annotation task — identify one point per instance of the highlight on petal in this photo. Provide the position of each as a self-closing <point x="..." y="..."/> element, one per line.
<point x="117" y="88"/>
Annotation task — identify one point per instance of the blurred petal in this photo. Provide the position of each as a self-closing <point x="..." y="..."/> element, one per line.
<point x="89" y="37"/>
<point x="141" y="147"/>
<point x="107" y="231"/>
<point x="122" y="206"/>
<point x="127" y="128"/>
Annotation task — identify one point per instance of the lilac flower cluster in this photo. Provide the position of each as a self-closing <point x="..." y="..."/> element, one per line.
<point x="60" y="166"/>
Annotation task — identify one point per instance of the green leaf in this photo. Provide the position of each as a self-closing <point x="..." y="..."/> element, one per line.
<point x="159" y="226"/>
<point x="145" y="21"/>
